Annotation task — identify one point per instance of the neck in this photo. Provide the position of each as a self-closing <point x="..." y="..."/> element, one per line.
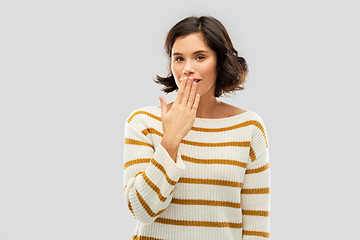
<point x="207" y="106"/>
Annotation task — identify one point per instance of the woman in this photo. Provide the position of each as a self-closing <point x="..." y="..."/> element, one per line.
<point x="198" y="168"/>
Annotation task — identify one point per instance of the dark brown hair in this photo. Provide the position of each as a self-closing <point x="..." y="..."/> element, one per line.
<point x="231" y="69"/>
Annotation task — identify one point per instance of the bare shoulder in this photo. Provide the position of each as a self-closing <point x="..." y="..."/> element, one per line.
<point x="223" y="110"/>
<point x="229" y="110"/>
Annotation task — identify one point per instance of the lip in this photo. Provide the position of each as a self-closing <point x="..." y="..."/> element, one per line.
<point x="195" y="79"/>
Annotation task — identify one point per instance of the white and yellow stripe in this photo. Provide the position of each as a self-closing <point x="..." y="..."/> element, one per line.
<point x="218" y="188"/>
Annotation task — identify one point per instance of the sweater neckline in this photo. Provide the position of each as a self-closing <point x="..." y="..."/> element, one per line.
<point x="215" y="120"/>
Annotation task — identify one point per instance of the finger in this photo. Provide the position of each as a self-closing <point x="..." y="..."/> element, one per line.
<point x="192" y="95"/>
<point x="163" y="107"/>
<point x="185" y="97"/>
<point x="180" y="91"/>
<point x="196" y="103"/>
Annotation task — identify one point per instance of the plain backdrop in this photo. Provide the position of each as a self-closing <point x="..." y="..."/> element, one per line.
<point x="72" y="71"/>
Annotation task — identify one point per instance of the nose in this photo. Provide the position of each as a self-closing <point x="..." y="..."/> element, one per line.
<point x="188" y="68"/>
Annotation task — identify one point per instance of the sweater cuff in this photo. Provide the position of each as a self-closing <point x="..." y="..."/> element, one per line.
<point x="173" y="169"/>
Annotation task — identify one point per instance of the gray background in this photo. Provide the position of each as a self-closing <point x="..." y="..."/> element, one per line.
<point x="71" y="72"/>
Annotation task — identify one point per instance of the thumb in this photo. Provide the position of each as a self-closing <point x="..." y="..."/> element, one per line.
<point x="163" y="106"/>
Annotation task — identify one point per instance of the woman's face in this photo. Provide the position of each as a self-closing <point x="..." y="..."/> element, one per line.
<point x="191" y="57"/>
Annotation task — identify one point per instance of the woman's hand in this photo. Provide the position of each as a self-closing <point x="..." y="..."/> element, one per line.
<point x="178" y="121"/>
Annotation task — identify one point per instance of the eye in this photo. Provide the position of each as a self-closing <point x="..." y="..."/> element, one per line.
<point x="180" y="58"/>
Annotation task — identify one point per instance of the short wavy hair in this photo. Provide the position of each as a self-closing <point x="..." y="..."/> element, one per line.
<point x="231" y="69"/>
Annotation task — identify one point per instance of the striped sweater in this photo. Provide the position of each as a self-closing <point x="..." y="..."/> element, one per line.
<point x="218" y="188"/>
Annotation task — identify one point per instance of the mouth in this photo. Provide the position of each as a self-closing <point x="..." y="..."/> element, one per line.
<point x="195" y="80"/>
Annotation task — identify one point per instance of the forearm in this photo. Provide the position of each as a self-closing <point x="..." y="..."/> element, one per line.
<point x="149" y="175"/>
<point x="255" y="198"/>
<point x="171" y="144"/>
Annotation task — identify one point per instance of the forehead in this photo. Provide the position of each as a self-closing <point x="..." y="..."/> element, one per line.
<point x="190" y="43"/>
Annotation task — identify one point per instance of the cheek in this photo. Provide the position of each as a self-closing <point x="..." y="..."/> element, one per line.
<point x="176" y="71"/>
<point x="208" y="69"/>
<point x="173" y="69"/>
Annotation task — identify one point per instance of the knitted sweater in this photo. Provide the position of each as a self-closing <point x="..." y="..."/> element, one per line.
<point x="218" y="188"/>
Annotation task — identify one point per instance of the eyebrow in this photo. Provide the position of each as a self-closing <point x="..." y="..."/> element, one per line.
<point x="200" y="51"/>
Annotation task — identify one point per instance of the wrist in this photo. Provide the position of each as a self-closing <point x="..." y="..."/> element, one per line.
<point x="171" y="146"/>
<point x="171" y="138"/>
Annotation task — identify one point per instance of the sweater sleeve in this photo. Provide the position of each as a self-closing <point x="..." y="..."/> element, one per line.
<point x="255" y="193"/>
<point x="150" y="174"/>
